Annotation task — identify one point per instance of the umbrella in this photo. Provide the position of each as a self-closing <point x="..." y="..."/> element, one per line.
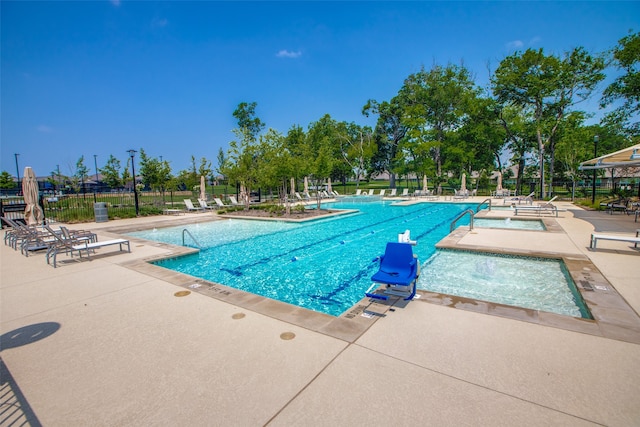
<point x="463" y="182"/>
<point x="293" y="187"/>
<point x="329" y="185"/>
<point x="203" y="188"/>
<point x="499" y="186"/>
<point x="306" y="185"/>
<point x="33" y="214"/>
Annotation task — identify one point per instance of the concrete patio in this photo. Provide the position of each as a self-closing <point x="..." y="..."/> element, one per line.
<point x="110" y="342"/>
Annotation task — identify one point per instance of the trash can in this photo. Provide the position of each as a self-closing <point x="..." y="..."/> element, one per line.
<point x="100" y="211"/>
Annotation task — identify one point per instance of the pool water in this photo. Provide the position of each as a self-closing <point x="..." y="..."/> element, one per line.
<point x="326" y="265"/>
<point x="516" y="224"/>
<point x="535" y="283"/>
<point x="323" y="265"/>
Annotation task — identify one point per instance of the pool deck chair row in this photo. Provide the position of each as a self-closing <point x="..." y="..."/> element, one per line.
<point x="542" y="208"/>
<point x="617" y="237"/>
<point x="71" y="245"/>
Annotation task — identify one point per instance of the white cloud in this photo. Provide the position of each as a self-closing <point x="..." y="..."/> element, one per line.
<point x="44" y="129"/>
<point x="515" y="44"/>
<point x="116" y="3"/>
<point x="284" y="53"/>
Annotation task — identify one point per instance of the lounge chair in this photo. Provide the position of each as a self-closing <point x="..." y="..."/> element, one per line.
<point x="399" y="271"/>
<point x="234" y="201"/>
<point x="358" y="192"/>
<point x="79" y="246"/>
<point x="405" y="192"/>
<point x="219" y="203"/>
<point x="394" y="192"/>
<point x="382" y="192"/>
<point x="370" y="193"/>
<point x="520" y="199"/>
<point x="189" y="205"/>
<point x="541" y="208"/>
<point x="204" y="205"/>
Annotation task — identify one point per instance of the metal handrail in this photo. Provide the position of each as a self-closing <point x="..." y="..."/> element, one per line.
<point x="468" y="211"/>
<point x="192" y="238"/>
<point x="482" y="203"/>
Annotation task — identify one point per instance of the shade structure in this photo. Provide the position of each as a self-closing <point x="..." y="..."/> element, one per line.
<point x="463" y="182"/>
<point x="33" y="214"/>
<point x="329" y="189"/>
<point x="306" y="184"/>
<point x="424" y="182"/>
<point x="499" y="186"/>
<point x="627" y="157"/>
<point x="203" y="188"/>
<point x="293" y="187"/>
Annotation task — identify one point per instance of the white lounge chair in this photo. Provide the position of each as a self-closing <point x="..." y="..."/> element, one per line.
<point x="204" y="205"/>
<point x="219" y="202"/>
<point x="405" y="192"/>
<point x="382" y="192"/>
<point x="394" y="192"/>
<point x="358" y="192"/>
<point x="189" y="205"/>
<point x="370" y="192"/>
<point x="541" y="208"/>
<point x="233" y="200"/>
<point x="520" y="199"/>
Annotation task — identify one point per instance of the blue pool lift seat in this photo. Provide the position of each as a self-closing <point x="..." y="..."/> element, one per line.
<point x="399" y="271"/>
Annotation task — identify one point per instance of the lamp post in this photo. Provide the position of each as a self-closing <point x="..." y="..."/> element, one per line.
<point x="593" y="185"/>
<point x="133" y="170"/>
<point x="17" y="170"/>
<point x="95" y="163"/>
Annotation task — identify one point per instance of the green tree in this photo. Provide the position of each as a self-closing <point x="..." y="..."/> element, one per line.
<point x="356" y="147"/>
<point x="154" y="173"/>
<point x="6" y="181"/>
<point x="546" y="87"/>
<point x="245" y="114"/>
<point x="319" y="152"/>
<point x="242" y="165"/>
<point x="111" y="172"/>
<point x="626" y="87"/>
<point x="79" y="175"/>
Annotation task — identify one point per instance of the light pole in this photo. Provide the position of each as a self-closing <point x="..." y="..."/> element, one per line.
<point x="17" y="170"/>
<point x="95" y="163"/>
<point x="593" y="185"/>
<point x="133" y="170"/>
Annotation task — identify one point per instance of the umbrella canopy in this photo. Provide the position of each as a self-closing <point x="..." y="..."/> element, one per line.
<point x="629" y="156"/>
<point x="329" y="185"/>
<point x="293" y="187"/>
<point x="306" y="185"/>
<point x="33" y="214"/>
<point x="463" y="182"/>
<point x="499" y="186"/>
<point x="203" y="192"/>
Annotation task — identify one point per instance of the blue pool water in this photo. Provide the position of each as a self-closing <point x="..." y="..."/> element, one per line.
<point x="517" y="224"/>
<point x="323" y="265"/>
<point x="326" y="265"/>
<point x="535" y="283"/>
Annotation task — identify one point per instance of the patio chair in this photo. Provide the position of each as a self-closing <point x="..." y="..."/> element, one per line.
<point x="234" y="201"/>
<point x="398" y="272"/>
<point x="189" y="205"/>
<point x="370" y="192"/>
<point x="382" y="192"/>
<point x="528" y="199"/>
<point x="79" y="245"/>
<point x="358" y="192"/>
<point x="405" y="192"/>
<point x="219" y="203"/>
<point x="204" y="205"/>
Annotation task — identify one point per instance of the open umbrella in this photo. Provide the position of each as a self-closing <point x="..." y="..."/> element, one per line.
<point x="499" y="186"/>
<point x="203" y="189"/>
<point x="463" y="182"/>
<point x="33" y="214"/>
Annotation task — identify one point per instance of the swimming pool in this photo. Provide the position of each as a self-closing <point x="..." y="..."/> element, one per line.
<point x="323" y="265"/>
<point x="536" y="283"/>
<point x="326" y="265"/>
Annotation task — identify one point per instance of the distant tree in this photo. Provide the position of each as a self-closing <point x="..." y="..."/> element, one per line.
<point x="242" y="166"/>
<point x="626" y="87"/>
<point x="319" y="152"/>
<point x="111" y="173"/>
<point x="546" y="87"/>
<point x="154" y="173"/>
<point x="245" y="114"/>
<point x="6" y="181"/>
<point x="356" y="147"/>
<point x="78" y="177"/>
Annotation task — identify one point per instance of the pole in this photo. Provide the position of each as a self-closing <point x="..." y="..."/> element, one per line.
<point x="17" y="170"/>
<point x="135" y="191"/>
<point x="593" y="184"/>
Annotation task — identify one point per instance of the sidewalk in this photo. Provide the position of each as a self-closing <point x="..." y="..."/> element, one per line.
<point x="101" y="343"/>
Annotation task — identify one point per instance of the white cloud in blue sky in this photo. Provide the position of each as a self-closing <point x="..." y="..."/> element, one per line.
<point x="284" y="53"/>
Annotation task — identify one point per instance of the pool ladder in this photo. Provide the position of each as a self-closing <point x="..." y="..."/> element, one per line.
<point x="482" y="203"/>
<point x="185" y="231"/>
<point x="468" y="211"/>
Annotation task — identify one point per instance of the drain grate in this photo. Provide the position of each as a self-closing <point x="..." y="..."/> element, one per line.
<point x="586" y="285"/>
<point x="238" y="316"/>
<point x="287" y="336"/>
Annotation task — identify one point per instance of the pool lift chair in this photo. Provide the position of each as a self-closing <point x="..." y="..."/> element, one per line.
<point x="398" y="272"/>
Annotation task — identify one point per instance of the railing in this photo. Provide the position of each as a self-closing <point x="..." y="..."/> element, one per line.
<point x="192" y="238"/>
<point x="482" y="203"/>
<point x="468" y="211"/>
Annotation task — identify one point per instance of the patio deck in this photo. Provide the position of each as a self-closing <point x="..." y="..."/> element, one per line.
<point x="107" y="343"/>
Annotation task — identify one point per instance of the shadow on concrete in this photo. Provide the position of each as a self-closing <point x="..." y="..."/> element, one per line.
<point x="605" y="222"/>
<point x="28" y="334"/>
<point x="14" y="408"/>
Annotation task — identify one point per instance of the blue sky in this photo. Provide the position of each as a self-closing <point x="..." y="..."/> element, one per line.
<point x="101" y="77"/>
